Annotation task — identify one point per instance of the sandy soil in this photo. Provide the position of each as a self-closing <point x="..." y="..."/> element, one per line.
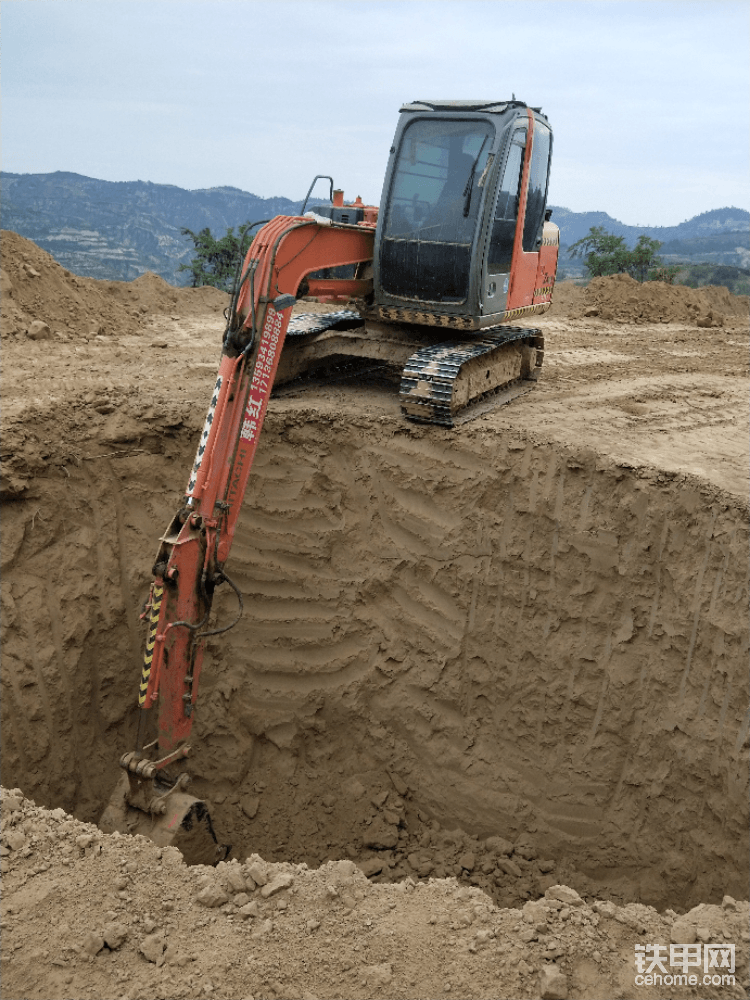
<point x="476" y="663"/>
<point x="88" y="915"/>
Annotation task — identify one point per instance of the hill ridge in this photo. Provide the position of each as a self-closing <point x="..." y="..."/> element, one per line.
<point x="118" y="230"/>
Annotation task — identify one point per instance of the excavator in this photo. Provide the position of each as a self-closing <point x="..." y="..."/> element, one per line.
<point x="460" y="248"/>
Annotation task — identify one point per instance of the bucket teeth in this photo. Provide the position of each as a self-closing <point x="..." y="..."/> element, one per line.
<point x="439" y="381"/>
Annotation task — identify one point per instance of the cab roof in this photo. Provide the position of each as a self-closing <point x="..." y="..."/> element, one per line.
<point x="492" y="107"/>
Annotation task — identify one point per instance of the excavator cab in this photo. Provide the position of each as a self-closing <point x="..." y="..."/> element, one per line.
<point x="461" y="227"/>
<point x="462" y="246"/>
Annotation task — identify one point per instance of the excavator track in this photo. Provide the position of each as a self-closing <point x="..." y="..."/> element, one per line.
<point x="441" y="380"/>
<point x="306" y="323"/>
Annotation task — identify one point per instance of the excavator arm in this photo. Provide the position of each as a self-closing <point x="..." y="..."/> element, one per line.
<point x="196" y="545"/>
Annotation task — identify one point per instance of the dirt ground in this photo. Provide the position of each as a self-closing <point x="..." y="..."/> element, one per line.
<point x="476" y="665"/>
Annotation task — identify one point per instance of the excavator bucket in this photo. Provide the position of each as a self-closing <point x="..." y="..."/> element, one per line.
<point x="184" y="823"/>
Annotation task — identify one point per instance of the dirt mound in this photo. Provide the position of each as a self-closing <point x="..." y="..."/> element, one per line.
<point x="567" y="298"/>
<point x="158" y="296"/>
<point x="90" y="916"/>
<point x="621" y="299"/>
<point x="43" y="301"/>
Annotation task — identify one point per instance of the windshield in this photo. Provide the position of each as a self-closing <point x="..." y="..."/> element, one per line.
<point x="436" y="189"/>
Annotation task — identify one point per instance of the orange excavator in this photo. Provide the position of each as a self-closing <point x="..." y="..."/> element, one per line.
<point x="460" y="247"/>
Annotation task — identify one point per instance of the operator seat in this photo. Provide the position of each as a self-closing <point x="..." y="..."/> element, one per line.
<point x="446" y="217"/>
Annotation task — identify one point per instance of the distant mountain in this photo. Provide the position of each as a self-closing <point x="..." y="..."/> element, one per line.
<point x="722" y="248"/>
<point x="575" y="225"/>
<point x="118" y="230"/>
<point x="721" y="236"/>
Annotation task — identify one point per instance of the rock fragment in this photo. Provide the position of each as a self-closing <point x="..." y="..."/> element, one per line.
<point x="371" y="866"/>
<point x="212" y="895"/>
<point x="282" y="881"/>
<point x="683" y="932"/>
<point x="380" y="836"/>
<point x="378" y="975"/>
<point x="15" y="839"/>
<point x="38" y="330"/>
<point x="173" y="956"/>
<point x="121" y="429"/>
<point x="509" y="867"/>
<point x="499" y="845"/>
<point x="114" y="934"/>
<point x="355" y="788"/>
<point x="232" y="877"/>
<point x="256" y="870"/>
<point x="250" y="805"/>
<point x="535" y="913"/>
<point x="398" y="783"/>
<point x="565" y="894"/>
<point x="92" y="944"/>
<point x="553" y="983"/>
<point x="13" y="800"/>
<point x="153" y="947"/>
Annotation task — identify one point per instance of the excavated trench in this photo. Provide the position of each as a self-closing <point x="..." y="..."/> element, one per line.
<point x="446" y="638"/>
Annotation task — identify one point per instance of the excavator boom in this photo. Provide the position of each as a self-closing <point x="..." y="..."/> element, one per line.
<point x="194" y="548"/>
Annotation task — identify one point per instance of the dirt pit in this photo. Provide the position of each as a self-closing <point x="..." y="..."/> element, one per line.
<point x="512" y="655"/>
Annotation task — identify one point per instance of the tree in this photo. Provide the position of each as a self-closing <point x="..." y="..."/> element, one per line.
<point x="607" y="254"/>
<point x="215" y="261"/>
<point x="643" y="257"/>
<point x="665" y="274"/>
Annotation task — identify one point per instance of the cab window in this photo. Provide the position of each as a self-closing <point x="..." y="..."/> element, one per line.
<point x="436" y="187"/>
<point x="537" y="196"/>
<point x="506" y="208"/>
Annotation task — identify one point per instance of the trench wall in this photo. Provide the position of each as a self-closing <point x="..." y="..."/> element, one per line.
<point x="537" y="640"/>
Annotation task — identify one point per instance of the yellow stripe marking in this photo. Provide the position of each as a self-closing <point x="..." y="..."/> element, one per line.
<point x="153" y="623"/>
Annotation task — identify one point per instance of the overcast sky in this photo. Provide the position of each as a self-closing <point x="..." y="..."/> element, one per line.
<point x="648" y="100"/>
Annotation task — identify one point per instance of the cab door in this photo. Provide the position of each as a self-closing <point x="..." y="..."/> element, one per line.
<point x="502" y="231"/>
<point x="515" y="236"/>
<point x="529" y="232"/>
